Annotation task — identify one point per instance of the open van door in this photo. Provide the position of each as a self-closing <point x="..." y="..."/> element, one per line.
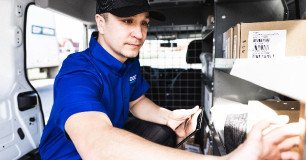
<point x="29" y="51"/>
<point x="21" y="118"/>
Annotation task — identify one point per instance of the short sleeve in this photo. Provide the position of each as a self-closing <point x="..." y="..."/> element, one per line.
<point x="77" y="92"/>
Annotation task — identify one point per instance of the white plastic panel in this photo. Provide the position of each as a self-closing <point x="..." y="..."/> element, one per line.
<point x="6" y="48"/>
<point x="5" y="123"/>
<point x="12" y="152"/>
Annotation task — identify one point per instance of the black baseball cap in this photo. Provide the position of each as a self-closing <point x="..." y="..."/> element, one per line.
<point x="127" y="8"/>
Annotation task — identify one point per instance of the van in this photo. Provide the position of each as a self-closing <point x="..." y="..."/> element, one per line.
<point x="182" y="59"/>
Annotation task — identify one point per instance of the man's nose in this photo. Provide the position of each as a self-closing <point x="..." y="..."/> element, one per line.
<point x="137" y="32"/>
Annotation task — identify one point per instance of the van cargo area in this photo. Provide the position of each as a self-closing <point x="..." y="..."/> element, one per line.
<point x="240" y="61"/>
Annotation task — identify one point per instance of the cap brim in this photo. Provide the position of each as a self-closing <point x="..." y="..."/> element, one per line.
<point x="133" y="10"/>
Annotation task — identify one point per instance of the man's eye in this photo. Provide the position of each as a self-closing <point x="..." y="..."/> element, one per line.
<point x="146" y="24"/>
<point x="128" y="21"/>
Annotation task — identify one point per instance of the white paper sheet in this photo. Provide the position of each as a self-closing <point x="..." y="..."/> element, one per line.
<point x="286" y="76"/>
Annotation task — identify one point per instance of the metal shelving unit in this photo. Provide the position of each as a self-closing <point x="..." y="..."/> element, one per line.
<point x="229" y="78"/>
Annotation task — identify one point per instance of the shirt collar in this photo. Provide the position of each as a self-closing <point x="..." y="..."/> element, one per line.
<point x="101" y="55"/>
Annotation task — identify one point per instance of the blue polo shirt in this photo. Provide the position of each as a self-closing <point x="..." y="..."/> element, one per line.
<point x="92" y="80"/>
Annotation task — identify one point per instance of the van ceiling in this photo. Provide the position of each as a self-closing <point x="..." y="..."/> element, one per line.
<point x="181" y="12"/>
<point x="83" y="10"/>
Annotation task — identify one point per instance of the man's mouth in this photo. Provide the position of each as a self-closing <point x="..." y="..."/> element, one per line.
<point x="134" y="45"/>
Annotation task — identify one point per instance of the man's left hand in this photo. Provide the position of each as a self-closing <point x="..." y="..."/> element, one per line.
<point x="184" y="121"/>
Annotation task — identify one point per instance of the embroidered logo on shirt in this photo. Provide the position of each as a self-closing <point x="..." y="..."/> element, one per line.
<point x="133" y="80"/>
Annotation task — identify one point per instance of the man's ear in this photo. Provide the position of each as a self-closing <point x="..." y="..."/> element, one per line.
<point x="100" y="23"/>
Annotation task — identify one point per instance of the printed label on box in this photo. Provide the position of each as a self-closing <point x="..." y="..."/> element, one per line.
<point x="267" y="44"/>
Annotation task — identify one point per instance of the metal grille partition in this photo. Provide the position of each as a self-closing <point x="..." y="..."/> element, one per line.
<point x="171" y="65"/>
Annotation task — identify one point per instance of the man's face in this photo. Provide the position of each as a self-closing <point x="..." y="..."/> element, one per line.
<point x="123" y="37"/>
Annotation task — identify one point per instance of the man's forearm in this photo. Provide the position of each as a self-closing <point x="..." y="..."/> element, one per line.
<point x="95" y="138"/>
<point x="147" y="110"/>
<point x="114" y="143"/>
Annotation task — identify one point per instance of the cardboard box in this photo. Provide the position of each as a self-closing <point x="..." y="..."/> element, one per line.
<point x="227" y="47"/>
<point x="236" y="41"/>
<point x="274" y="39"/>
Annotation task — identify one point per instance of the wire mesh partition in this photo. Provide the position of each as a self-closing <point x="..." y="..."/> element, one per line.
<point x="171" y="65"/>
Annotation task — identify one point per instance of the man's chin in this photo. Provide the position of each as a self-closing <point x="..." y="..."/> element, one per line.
<point x="131" y="55"/>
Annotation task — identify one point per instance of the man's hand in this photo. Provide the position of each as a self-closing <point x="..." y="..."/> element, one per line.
<point x="184" y="121"/>
<point x="276" y="144"/>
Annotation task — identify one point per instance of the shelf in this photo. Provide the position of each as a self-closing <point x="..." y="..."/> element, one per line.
<point x="285" y="76"/>
<point x="237" y="89"/>
<point x="223" y="63"/>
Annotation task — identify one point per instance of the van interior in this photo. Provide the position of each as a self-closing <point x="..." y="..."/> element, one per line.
<point x="182" y="59"/>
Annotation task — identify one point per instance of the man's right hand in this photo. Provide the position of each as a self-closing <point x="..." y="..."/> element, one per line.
<point x="276" y="144"/>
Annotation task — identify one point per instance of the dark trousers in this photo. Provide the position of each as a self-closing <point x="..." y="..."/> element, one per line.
<point x="157" y="133"/>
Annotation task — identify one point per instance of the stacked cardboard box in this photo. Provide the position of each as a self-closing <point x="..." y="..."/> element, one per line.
<point x="274" y="39"/>
<point x="227" y="47"/>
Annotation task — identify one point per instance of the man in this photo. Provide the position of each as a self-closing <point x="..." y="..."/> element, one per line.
<point x="97" y="88"/>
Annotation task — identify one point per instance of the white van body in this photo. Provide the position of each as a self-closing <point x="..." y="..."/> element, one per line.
<point x="21" y="123"/>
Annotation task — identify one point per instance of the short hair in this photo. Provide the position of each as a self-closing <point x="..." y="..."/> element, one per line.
<point x="105" y="16"/>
